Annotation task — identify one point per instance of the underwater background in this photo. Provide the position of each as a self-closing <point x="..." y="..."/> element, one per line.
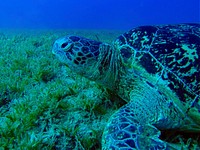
<point x="43" y="105"/>
<point x="96" y="14"/>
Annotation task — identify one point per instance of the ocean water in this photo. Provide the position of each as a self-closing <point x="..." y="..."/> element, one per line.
<point x="46" y="106"/>
<point x="96" y="14"/>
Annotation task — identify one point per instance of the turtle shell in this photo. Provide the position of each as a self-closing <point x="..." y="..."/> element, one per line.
<point x="171" y="52"/>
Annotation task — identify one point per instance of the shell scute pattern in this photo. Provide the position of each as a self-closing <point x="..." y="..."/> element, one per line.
<point x="171" y="52"/>
<point x="139" y="38"/>
<point x="181" y="60"/>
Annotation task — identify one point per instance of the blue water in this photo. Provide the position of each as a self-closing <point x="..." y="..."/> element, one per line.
<point x="95" y="14"/>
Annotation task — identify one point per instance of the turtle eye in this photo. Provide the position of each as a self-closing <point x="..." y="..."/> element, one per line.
<point x="64" y="45"/>
<point x="67" y="46"/>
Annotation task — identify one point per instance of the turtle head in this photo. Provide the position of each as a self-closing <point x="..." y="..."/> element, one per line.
<point x="81" y="55"/>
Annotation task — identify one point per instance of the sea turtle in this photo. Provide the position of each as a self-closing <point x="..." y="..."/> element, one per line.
<point x="156" y="69"/>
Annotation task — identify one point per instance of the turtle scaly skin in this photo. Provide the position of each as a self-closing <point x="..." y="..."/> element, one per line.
<point x="156" y="69"/>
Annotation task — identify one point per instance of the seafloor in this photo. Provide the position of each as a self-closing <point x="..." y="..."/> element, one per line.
<point x="43" y="105"/>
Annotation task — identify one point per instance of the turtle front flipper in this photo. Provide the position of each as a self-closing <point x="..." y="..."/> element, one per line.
<point x="125" y="132"/>
<point x="137" y="125"/>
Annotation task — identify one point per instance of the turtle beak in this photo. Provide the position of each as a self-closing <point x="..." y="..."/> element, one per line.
<point x="55" y="48"/>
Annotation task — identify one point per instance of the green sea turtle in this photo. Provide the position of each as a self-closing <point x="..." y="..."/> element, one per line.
<point x="156" y="69"/>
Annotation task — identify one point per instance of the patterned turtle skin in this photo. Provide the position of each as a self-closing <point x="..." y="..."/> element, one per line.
<point x="156" y="69"/>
